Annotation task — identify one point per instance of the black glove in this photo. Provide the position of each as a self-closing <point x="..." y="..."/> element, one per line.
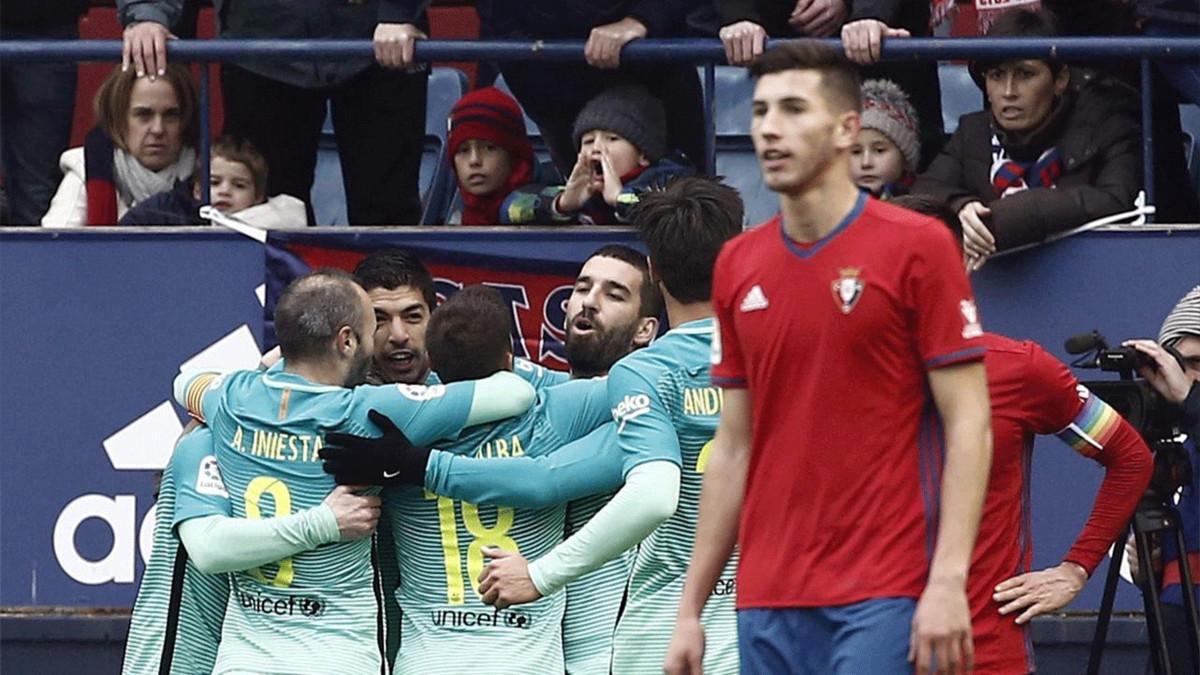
<point x="387" y="460"/>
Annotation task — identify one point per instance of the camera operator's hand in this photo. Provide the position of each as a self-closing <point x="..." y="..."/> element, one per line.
<point x="360" y="460"/>
<point x="1167" y="377"/>
<point x="1135" y="566"/>
<point x="1040" y="592"/>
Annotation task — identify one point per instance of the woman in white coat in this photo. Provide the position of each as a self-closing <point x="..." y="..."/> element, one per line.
<point x="143" y="144"/>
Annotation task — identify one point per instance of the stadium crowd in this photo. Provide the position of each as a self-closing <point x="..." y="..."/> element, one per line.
<point x="719" y="494"/>
<point x="1073" y="128"/>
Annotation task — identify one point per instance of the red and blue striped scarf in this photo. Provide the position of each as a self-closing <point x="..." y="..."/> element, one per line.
<point x="101" y="178"/>
<point x="1009" y="175"/>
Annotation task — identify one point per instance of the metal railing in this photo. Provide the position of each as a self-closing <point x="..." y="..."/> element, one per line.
<point x="703" y="52"/>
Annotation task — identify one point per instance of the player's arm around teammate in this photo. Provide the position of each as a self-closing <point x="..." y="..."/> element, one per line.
<point x="716" y="531"/>
<point x="221" y="543"/>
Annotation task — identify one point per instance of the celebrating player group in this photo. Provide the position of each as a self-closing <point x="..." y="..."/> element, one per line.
<point x="788" y="479"/>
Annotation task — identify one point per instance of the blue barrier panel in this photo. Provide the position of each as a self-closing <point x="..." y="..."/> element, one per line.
<point x="94" y="325"/>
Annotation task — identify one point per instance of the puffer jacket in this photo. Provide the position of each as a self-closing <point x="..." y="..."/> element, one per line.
<point x="1099" y="139"/>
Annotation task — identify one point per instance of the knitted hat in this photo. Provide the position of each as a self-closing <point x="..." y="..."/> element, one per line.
<point x="491" y="115"/>
<point x="885" y="108"/>
<point x="1184" y="320"/>
<point x="631" y="112"/>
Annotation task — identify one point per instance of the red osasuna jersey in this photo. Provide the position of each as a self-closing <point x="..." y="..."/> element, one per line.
<point x="1034" y="393"/>
<point x="834" y="341"/>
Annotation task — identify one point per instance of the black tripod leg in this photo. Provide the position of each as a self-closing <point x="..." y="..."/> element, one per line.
<point x="1106" y="605"/>
<point x="1154" y="624"/>
<point x="1189" y="597"/>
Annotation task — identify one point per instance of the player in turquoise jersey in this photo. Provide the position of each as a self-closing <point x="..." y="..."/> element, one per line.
<point x="665" y="413"/>
<point x="613" y="308"/>
<point x="176" y="623"/>
<point x="319" y="611"/>
<point x="402" y="296"/>
<point x="440" y="541"/>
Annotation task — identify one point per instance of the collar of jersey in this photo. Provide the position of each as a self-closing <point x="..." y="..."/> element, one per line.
<point x="286" y="380"/>
<point x="803" y="252"/>
<point x="695" y="327"/>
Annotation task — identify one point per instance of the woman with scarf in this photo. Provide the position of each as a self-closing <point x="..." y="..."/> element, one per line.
<point x="1052" y="151"/>
<point x="146" y="129"/>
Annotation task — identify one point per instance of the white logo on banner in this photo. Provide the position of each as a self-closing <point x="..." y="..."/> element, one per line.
<point x="144" y="444"/>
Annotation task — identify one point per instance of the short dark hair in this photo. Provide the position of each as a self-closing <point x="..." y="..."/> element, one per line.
<point x="649" y="298"/>
<point x="242" y="151"/>
<point x="931" y="206"/>
<point x="838" y="77"/>
<point x="684" y="226"/>
<point x="469" y="335"/>
<point x="392" y="268"/>
<point x="1026" y="23"/>
<point x="311" y="311"/>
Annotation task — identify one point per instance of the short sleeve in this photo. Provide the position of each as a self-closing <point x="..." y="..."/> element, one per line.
<point x="424" y="413"/>
<point x="938" y="297"/>
<point x="199" y="490"/>
<point x="1051" y="394"/>
<point x="643" y="427"/>
<point x="728" y="369"/>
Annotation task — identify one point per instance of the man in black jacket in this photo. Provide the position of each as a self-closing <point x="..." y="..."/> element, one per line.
<point x="1054" y="150"/>
<point x="552" y="94"/>
<point x="378" y="106"/>
<point x="862" y="25"/>
<point x="37" y="102"/>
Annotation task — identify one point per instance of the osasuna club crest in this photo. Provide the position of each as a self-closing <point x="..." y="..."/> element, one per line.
<point x="848" y="288"/>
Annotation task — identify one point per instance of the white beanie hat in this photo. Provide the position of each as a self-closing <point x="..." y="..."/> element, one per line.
<point x="1184" y="320"/>
<point x="886" y="109"/>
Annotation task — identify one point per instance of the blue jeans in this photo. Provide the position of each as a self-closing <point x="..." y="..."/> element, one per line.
<point x="866" y="637"/>
<point x="37" y="102"/>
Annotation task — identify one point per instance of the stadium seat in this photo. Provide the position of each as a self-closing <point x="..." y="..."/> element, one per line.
<point x="960" y="94"/>
<point x="446" y="86"/>
<point x="530" y="128"/>
<point x="737" y="164"/>
<point x="1189" y="120"/>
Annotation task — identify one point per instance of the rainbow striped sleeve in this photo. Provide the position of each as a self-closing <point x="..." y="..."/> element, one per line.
<point x="1092" y="427"/>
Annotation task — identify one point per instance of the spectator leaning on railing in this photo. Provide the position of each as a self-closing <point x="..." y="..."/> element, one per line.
<point x="142" y="145"/>
<point x="378" y="112"/>
<point x="862" y="25"/>
<point x="552" y="94"/>
<point x="1052" y="151"/>
<point x="37" y="101"/>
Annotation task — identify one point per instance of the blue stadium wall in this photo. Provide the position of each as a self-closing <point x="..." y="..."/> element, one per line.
<point x="95" y="324"/>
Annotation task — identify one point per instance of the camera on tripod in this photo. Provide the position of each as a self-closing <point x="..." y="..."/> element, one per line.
<point x="1158" y="421"/>
<point x="1160" y="424"/>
